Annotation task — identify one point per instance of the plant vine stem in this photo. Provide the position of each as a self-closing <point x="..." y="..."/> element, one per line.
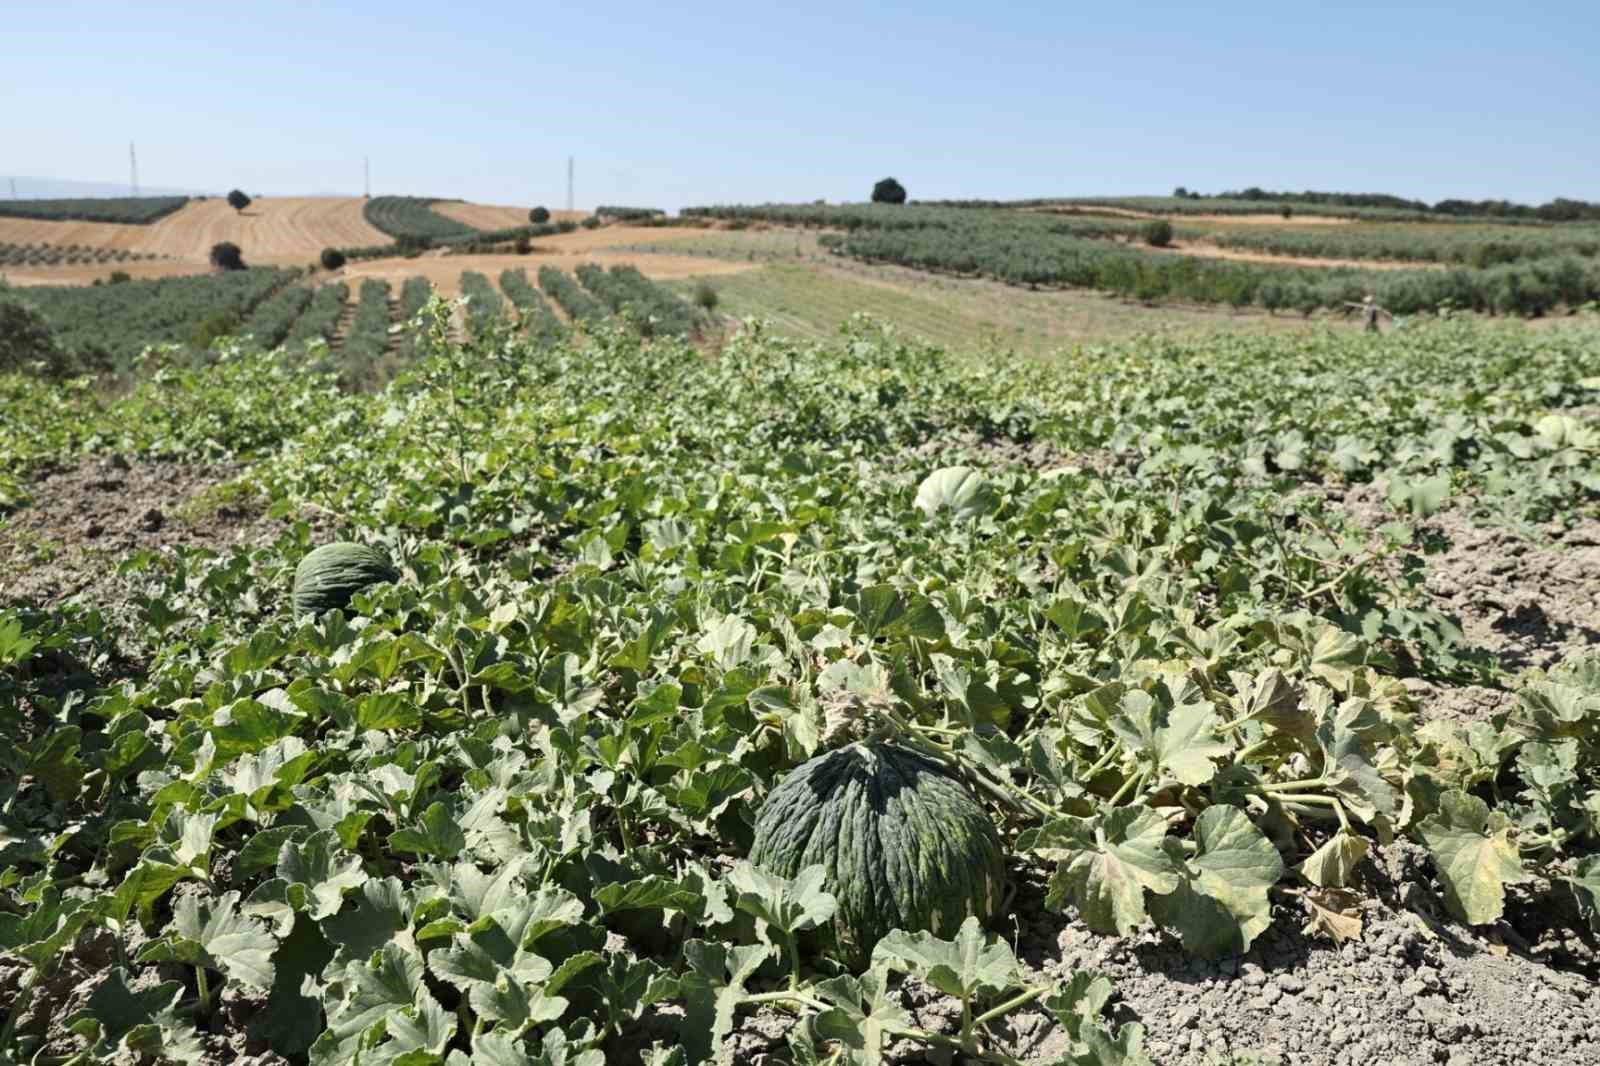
<point x="1296" y="786"/>
<point x="1104" y="760"/>
<point x="940" y="1040"/>
<point x="204" y="988"/>
<point x="1132" y="784"/>
<point x="786" y="997"/>
<point x="1325" y="801"/>
<point x="18" y="1007"/>
<point x="1244" y="756"/>
<point x="1009" y="1005"/>
<point x="1004" y="792"/>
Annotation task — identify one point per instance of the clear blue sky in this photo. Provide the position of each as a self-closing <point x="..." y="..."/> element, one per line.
<point x="674" y="104"/>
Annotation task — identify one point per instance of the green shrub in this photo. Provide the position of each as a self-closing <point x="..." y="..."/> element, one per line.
<point x="238" y="200"/>
<point x="118" y="277"/>
<point x="225" y="255"/>
<point x="219" y="324"/>
<point x="592" y="222"/>
<point x="705" y="296"/>
<point x="888" y="191"/>
<point x="332" y="259"/>
<point x="539" y="216"/>
<point x="1157" y="233"/>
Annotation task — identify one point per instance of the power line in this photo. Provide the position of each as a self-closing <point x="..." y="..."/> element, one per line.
<point x="569" y="183"/>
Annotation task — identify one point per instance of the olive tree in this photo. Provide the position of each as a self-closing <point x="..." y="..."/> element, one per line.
<point x="888" y="191"/>
<point x="238" y="200"/>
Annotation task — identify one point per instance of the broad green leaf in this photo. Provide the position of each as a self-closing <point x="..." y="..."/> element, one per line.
<point x="1181" y="742"/>
<point x="712" y="989"/>
<point x="1126" y="1048"/>
<point x="968" y="966"/>
<point x="790" y="906"/>
<point x="378" y="915"/>
<point x="372" y="992"/>
<point x="1332" y="864"/>
<point x="1106" y="864"/>
<point x="1221" y="906"/>
<point x="291" y="1020"/>
<point x="864" y="1015"/>
<point x="1079" y="1001"/>
<point x="217" y="937"/>
<point x="1472" y="849"/>
<point x="320" y="872"/>
<point x="1421" y="497"/>
<point x="116" y="1008"/>
<point x="439" y="835"/>
<point x="1585" y="882"/>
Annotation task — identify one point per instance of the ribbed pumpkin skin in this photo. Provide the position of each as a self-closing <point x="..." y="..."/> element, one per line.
<point x="905" y="845"/>
<point x="328" y="576"/>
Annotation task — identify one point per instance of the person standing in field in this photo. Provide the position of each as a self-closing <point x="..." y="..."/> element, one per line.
<point x="1369" y="312"/>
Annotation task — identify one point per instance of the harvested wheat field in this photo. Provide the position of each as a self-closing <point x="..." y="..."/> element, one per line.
<point x="444" y="271"/>
<point x="1203" y="250"/>
<point x="89" y="273"/>
<point x="271" y="231"/>
<point x="1265" y="219"/>
<point x="616" y="236"/>
<point x="496" y="216"/>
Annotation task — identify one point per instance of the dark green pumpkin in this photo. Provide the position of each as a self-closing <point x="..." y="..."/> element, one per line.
<point x="905" y="845"/>
<point x="328" y="576"/>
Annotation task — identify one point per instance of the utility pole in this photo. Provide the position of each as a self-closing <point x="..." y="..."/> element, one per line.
<point x="569" y="183"/>
<point x="13" y="188"/>
<point x="366" y="163"/>
<point x="133" y="169"/>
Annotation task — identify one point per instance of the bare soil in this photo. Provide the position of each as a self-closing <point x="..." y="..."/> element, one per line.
<point x="87" y="518"/>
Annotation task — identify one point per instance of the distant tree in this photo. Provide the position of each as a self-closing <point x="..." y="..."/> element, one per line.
<point x="539" y="216"/>
<point x="238" y="200"/>
<point x="705" y="297"/>
<point x="26" y="342"/>
<point x="1157" y="233"/>
<point x="888" y="191"/>
<point x="1287" y="211"/>
<point x="225" y="255"/>
<point x="332" y="259"/>
<point x="1180" y="193"/>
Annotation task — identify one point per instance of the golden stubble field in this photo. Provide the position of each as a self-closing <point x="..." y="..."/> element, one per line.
<point x="272" y="231"/>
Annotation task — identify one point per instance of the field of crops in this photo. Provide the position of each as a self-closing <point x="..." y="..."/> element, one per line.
<point x="120" y="320"/>
<point x="412" y="217"/>
<point x="135" y="210"/>
<point x="1161" y="622"/>
<point x="63" y="254"/>
<point x="1476" y="246"/>
<point x="1035" y="248"/>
